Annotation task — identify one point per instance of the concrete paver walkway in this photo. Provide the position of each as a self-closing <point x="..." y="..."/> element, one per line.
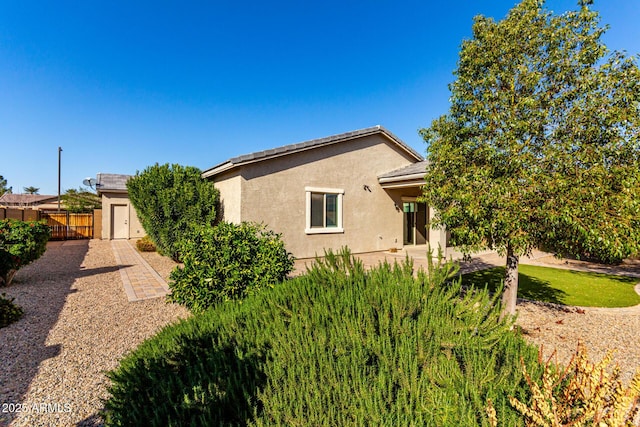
<point x="140" y="281"/>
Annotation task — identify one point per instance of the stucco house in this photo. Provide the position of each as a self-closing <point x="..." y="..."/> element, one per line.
<point x="32" y="201"/>
<point x="355" y="189"/>
<point x="119" y="218"/>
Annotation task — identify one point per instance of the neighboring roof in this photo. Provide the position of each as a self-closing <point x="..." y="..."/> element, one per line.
<point x="308" y="145"/>
<point x="25" y="199"/>
<point x="111" y="182"/>
<point x="406" y="176"/>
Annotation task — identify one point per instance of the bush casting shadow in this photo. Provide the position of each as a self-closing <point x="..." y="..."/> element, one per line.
<point x="201" y="376"/>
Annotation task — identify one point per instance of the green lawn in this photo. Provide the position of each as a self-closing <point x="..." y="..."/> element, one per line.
<point x="566" y="287"/>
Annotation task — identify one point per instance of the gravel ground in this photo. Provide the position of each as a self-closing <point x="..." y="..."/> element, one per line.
<point x="559" y="329"/>
<point x="78" y="324"/>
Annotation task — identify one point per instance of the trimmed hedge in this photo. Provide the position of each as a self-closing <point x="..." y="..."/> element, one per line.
<point x="170" y="200"/>
<point x="336" y="346"/>
<point x="228" y="261"/>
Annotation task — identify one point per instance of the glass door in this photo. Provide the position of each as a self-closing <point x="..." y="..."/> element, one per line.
<point x="409" y="212"/>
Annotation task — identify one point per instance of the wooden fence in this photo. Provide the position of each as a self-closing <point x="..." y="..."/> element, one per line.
<point x="67" y="226"/>
<point x="64" y="225"/>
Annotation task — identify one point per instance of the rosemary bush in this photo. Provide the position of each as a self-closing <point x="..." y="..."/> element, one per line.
<point x="336" y="346"/>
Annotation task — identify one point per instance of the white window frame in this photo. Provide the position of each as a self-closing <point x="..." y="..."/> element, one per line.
<point x="323" y="230"/>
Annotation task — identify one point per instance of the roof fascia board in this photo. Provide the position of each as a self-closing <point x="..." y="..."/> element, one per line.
<point x="216" y="170"/>
<point x="111" y="190"/>
<point x="402" y="178"/>
<point x="403" y="184"/>
<point x="402" y="145"/>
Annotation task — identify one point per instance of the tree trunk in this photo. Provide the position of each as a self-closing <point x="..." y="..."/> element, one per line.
<point x="510" y="292"/>
<point x="7" y="278"/>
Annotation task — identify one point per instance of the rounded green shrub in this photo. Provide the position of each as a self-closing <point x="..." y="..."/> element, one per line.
<point x="228" y="261"/>
<point x="338" y="346"/>
<point x="170" y="200"/>
<point x="21" y="242"/>
<point x="9" y="312"/>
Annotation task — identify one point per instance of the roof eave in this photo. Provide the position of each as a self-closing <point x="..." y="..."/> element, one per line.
<point x="403" y="184"/>
<point x="218" y="169"/>
<point x="415" y="176"/>
<point x="322" y="142"/>
<point x="99" y="191"/>
<point x="400" y="144"/>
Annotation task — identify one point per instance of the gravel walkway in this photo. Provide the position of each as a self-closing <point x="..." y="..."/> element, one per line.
<point x="78" y="324"/>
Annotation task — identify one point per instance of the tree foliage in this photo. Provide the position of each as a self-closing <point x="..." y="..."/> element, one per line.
<point x="541" y="143"/>
<point x="3" y="186"/>
<point x="31" y="190"/>
<point x="171" y="200"/>
<point x="81" y="200"/>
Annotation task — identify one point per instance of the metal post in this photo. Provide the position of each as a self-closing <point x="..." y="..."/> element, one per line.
<point x="59" y="155"/>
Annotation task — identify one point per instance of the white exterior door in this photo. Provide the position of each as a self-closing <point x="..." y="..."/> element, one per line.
<point x="119" y="222"/>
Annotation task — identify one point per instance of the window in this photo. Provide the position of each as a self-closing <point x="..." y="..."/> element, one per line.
<point x="324" y="210"/>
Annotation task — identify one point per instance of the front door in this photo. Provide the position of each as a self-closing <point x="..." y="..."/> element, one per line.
<point x="119" y="222"/>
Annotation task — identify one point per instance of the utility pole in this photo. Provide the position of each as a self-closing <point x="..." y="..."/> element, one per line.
<point x="59" y="156"/>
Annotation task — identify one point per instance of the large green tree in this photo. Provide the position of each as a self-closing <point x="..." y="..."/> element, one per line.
<point x="170" y="200"/>
<point x="540" y="147"/>
<point x="81" y="200"/>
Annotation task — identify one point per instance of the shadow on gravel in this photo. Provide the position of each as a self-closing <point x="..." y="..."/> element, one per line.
<point x="92" y="421"/>
<point x="41" y="289"/>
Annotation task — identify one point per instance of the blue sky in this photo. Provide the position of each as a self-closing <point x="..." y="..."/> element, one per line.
<point x="123" y="85"/>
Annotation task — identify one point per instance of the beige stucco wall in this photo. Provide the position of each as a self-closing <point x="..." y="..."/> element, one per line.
<point x="230" y="187"/>
<point x="110" y="199"/>
<point x="273" y="192"/>
<point x="438" y="236"/>
<point x="135" y="228"/>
